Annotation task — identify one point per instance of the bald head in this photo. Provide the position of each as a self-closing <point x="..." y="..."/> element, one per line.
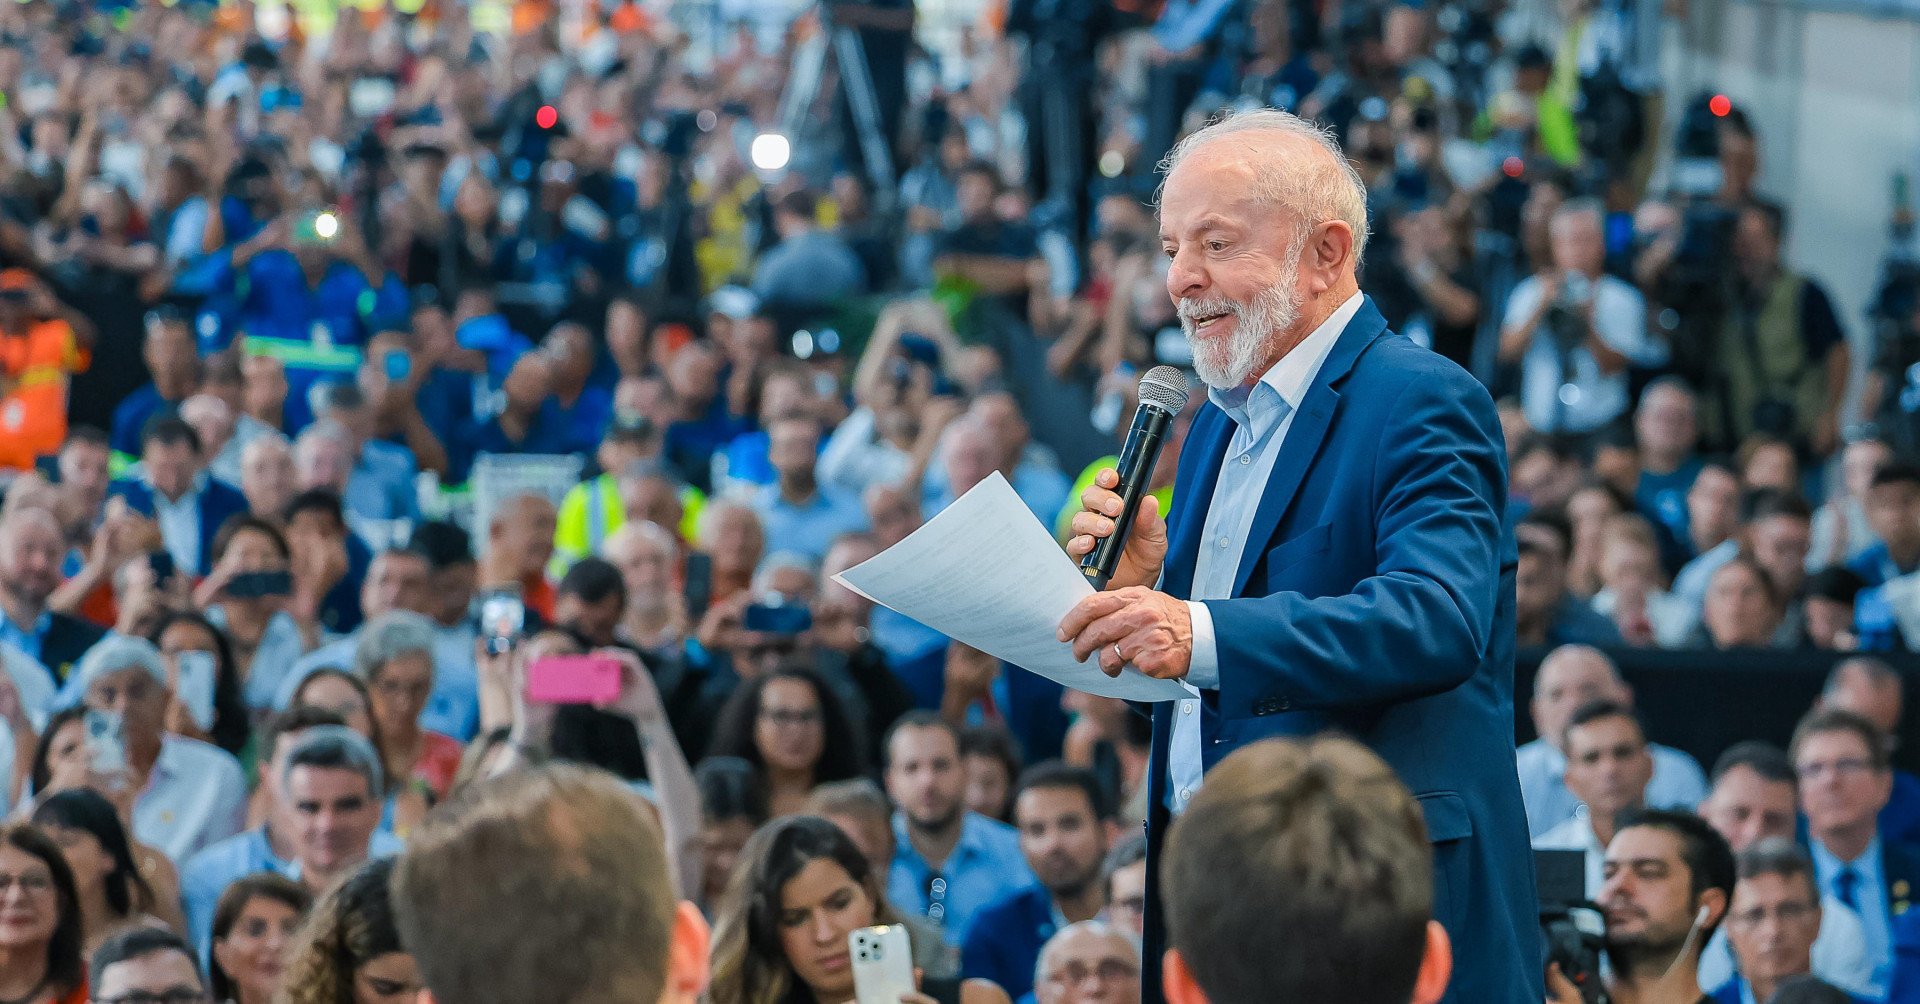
<point x="1570" y="676"/>
<point x="1868" y="688"/>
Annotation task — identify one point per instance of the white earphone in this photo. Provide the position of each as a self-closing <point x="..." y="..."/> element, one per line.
<point x="1700" y="919"/>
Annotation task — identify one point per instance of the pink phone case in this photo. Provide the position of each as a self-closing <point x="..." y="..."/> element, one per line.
<point x="573" y="679"/>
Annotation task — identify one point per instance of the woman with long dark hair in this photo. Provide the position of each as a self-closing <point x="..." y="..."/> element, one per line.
<point x="179" y="633"/>
<point x="40" y="944"/>
<point x="112" y="895"/>
<point x="800" y="889"/>
<point x="794" y="730"/>
<point x="349" y="951"/>
<point x="253" y="925"/>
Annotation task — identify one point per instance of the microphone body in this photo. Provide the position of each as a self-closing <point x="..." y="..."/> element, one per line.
<point x="1151" y="423"/>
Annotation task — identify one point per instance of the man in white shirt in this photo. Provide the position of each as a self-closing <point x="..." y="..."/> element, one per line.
<point x="1608" y="768"/>
<point x="1569" y="677"/>
<point x="1575" y="330"/>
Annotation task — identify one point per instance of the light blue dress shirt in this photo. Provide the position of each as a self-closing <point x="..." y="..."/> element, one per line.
<point x="1261" y="416"/>
<point x="985" y="865"/>
<point x="26" y="639"/>
<point x="280" y="648"/>
<point x="180" y="524"/>
<point x="208" y="874"/>
<point x="1677" y="782"/>
<point x="807" y="529"/>
<point x="1870" y="892"/>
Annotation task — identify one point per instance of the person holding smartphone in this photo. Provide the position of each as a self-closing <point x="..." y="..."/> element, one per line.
<point x="799" y="891"/>
<point x="251" y="595"/>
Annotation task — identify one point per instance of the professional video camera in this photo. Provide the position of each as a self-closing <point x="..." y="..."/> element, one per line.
<point x="1572" y="928"/>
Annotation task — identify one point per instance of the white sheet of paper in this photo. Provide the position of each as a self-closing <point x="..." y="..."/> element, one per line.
<point x="985" y="573"/>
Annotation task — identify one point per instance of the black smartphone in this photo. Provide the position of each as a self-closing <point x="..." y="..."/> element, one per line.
<point x="161" y="562"/>
<point x="254" y="585"/>
<point x="786" y="619"/>
<point x="698" y="583"/>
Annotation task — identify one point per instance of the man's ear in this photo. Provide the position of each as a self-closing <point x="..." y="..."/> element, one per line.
<point x="687" y="964"/>
<point x="1178" y="982"/>
<point x="1436" y="966"/>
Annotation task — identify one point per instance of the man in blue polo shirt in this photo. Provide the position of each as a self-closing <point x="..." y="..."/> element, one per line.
<point x="948" y="863"/>
<point x="799" y="513"/>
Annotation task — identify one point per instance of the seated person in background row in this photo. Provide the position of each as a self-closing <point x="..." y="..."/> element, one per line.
<point x="1773" y="921"/>
<point x="1607" y="768"/>
<point x="1084" y="956"/>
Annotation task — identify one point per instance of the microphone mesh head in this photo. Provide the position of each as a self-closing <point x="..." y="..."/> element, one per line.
<point x="1164" y="387"/>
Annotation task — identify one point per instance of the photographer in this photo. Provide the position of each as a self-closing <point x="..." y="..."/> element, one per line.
<point x="1576" y="330"/>
<point x="1669" y="878"/>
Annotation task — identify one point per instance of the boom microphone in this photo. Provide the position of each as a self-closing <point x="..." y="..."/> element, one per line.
<point x="1163" y="392"/>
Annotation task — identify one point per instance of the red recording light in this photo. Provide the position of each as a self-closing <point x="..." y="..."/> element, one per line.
<point x="547" y="117"/>
<point x="1720" y="105"/>
<point x="1513" y="167"/>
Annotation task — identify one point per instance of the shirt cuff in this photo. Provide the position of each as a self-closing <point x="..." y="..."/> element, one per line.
<point x="1203" y="664"/>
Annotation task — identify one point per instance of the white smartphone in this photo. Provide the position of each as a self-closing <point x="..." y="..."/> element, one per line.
<point x="106" y="743"/>
<point x="194" y="687"/>
<point x="882" y="964"/>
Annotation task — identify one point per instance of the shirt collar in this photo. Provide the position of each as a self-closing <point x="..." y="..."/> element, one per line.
<point x="1291" y="377"/>
<point x="194" y="488"/>
<point x="1868" y="861"/>
<point x="37" y="629"/>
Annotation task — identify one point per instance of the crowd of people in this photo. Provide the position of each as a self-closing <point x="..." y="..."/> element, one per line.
<point x="285" y="302"/>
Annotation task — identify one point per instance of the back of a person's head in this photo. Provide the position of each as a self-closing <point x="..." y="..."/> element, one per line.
<point x="1300" y="872"/>
<point x="547" y="884"/>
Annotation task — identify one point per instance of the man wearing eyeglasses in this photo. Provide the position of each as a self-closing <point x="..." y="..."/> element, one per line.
<point x="146" y="965"/>
<point x="1773" y="922"/>
<point x="1845" y="780"/>
<point x="1088" y="963"/>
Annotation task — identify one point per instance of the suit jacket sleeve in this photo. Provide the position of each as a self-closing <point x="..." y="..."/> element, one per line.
<point x="1422" y="622"/>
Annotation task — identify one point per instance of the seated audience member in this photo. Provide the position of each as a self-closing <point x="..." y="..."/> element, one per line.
<point x="1570" y="677"/>
<point x="793" y="729"/>
<point x="1873" y="690"/>
<point x="1755" y="797"/>
<point x="861" y="811"/>
<point x="349" y="949"/>
<point x="1607" y="770"/>
<point x="733" y="804"/>
<point x="1845" y="779"/>
<point x="801" y="888"/>
<point x="1840" y="529"/>
<point x="590" y="599"/>
<point x="1773" y="921"/>
<point x="1670" y="878"/>
<point x="452" y="576"/>
<point x="1743" y="608"/>
<point x="145" y="964"/>
<point x="173" y="358"/>
<point x="295" y="831"/>
<point x="1547" y="614"/>
<point x="253" y="925"/>
<point x="800" y="514"/>
<point x="1893" y="513"/>
<point x="1633" y="584"/>
<point x="992" y="758"/>
<point x="519" y="545"/>
<point x="395" y="657"/>
<point x="113" y="895"/>
<point x="332" y="562"/>
<point x="656" y="620"/>
<point x="1262" y="870"/>
<point x="1061" y="813"/>
<point x="42" y="962"/>
<point x="579" y="859"/>
<point x="1124" y="877"/>
<point x="1773" y="531"/>
<point x="31" y="547"/>
<point x="184" y="635"/>
<point x="1666" y="429"/>
<point x="1831" y="609"/>
<point x="1088" y="963"/>
<point x="379" y="483"/>
<point x="191" y="794"/>
<point x="174" y="489"/>
<point x="948" y="863"/>
<point x="267" y="476"/>
<point x="730" y="532"/>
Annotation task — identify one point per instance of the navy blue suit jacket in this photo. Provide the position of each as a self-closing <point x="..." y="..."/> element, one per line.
<point x="1003" y="943"/>
<point x="219" y="502"/>
<point x="1375" y="597"/>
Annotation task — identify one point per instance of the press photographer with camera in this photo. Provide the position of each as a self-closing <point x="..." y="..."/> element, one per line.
<point x="1575" y="330"/>
<point x="1669" y="878"/>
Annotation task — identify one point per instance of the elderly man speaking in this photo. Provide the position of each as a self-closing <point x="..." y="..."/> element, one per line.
<point x="1337" y="554"/>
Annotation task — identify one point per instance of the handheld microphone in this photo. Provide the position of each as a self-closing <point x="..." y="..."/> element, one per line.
<point x="1163" y="392"/>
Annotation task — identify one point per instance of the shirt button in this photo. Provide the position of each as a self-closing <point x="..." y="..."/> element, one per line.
<point x="1245" y="459"/>
<point x="1186" y="707"/>
<point x="1223" y="540"/>
<point x="1185" y="793"/>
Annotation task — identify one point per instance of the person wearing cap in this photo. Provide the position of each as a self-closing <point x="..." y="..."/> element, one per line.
<point x="42" y="343"/>
<point x="173" y="358"/>
<point x="190" y="794"/>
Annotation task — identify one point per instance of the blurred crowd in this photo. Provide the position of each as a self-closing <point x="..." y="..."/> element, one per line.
<point x="325" y="336"/>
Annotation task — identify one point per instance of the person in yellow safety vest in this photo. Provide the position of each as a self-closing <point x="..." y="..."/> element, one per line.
<point x="629" y="458"/>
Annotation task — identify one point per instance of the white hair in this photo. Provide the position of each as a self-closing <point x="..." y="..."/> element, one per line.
<point x="1318" y="192"/>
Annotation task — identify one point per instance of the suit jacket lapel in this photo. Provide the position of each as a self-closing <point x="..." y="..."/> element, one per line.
<point x="1199" y="469"/>
<point x="1305" y="436"/>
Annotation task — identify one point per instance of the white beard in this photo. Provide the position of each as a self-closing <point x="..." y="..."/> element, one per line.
<point x="1224" y="365"/>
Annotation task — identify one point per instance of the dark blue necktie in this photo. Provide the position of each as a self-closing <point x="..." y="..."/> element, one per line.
<point x="1846" y="887"/>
